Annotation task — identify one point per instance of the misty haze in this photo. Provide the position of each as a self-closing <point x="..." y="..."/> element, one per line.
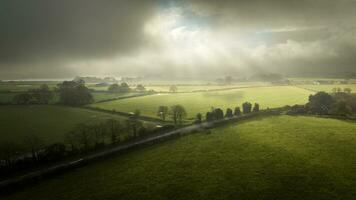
<point x="177" y="99"/>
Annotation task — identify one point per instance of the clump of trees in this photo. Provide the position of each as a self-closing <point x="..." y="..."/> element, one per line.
<point x="237" y="111"/>
<point x="214" y="114"/>
<point x="176" y="112"/>
<point x="218" y="114"/>
<point x="74" y="93"/>
<point x="246" y="107"/>
<point x="339" y="103"/>
<point x="122" y="88"/>
<point x="41" y="95"/>
<point x="229" y="113"/>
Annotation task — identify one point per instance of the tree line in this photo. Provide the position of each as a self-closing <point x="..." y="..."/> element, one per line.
<point x="218" y="113"/>
<point x="178" y="113"/>
<point x="81" y="139"/>
<point x="125" y="88"/>
<point x="73" y="93"/>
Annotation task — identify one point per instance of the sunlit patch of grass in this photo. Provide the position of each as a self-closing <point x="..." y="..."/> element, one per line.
<point x="280" y="157"/>
<point x="202" y="102"/>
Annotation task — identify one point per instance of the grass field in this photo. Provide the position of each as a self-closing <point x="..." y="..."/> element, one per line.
<point x="280" y="157"/>
<point x="50" y="123"/>
<point x="7" y="97"/>
<point x="203" y="101"/>
<point x="207" y="87"/>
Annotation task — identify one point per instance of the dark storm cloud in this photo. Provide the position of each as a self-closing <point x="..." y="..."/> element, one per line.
<point x="313" y="26"/>
<point x="33" y="30"/>
<point x="269" y="13"/>
<point x="61" y="38"/>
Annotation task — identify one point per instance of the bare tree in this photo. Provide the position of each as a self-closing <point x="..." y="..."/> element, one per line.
<point x="114" y="128"/>
<point x="9" y="152"/>
<point x="178" y="113"/>
<point x="34" y="144"/>
<point x="162" y="112"/>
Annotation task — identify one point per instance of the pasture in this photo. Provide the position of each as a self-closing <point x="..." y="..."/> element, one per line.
<point x="201" y="102"/>
<point x="50" y="123"/>
<point x="280" y="157"/>
<point x="203" y="87"/>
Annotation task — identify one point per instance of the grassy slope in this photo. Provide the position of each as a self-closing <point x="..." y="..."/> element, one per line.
<point x="202" y="102"/>
<point x="273" y="158"/>
<point x="48" y="122"/>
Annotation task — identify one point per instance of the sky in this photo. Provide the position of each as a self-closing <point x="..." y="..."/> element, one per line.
<point x="176" y="38"/>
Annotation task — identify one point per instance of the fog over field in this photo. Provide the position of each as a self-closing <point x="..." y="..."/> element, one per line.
<point x="176" y="38"/>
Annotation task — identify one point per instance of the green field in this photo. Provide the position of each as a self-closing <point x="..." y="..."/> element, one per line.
<point x="280" y="157"/>
<point x="50" y="123"/>
<point x="203" y="101"/>
<point x="7" y="97"/>
<point x="206" y="87"/>
<point x="100" y="96"/>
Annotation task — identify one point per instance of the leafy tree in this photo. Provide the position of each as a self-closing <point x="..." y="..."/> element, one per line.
<point x="178" y="113"/>
<point x="246" y="107"/>
<point x="228" y="80"/>
<point x="173" y="89"/>
<point x="198" y="119"/>
<point x="140" y="88"/>
<point x="218" y="114"/>
<point x="320" y="103"/>
<point x="348" y="90"/>
<point x="162" y="112"/>
<point x="229" y="113"/>
<point x="209" y="117"/>
<point x="124" y="87"/>
<point x="74" y="93"/>
<point x="341" y="108"/>
<point x="256" y="107"/>
<point x="237" y="111"/>
<point x="114" y="88"/>
<point x="42" y="95"/>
